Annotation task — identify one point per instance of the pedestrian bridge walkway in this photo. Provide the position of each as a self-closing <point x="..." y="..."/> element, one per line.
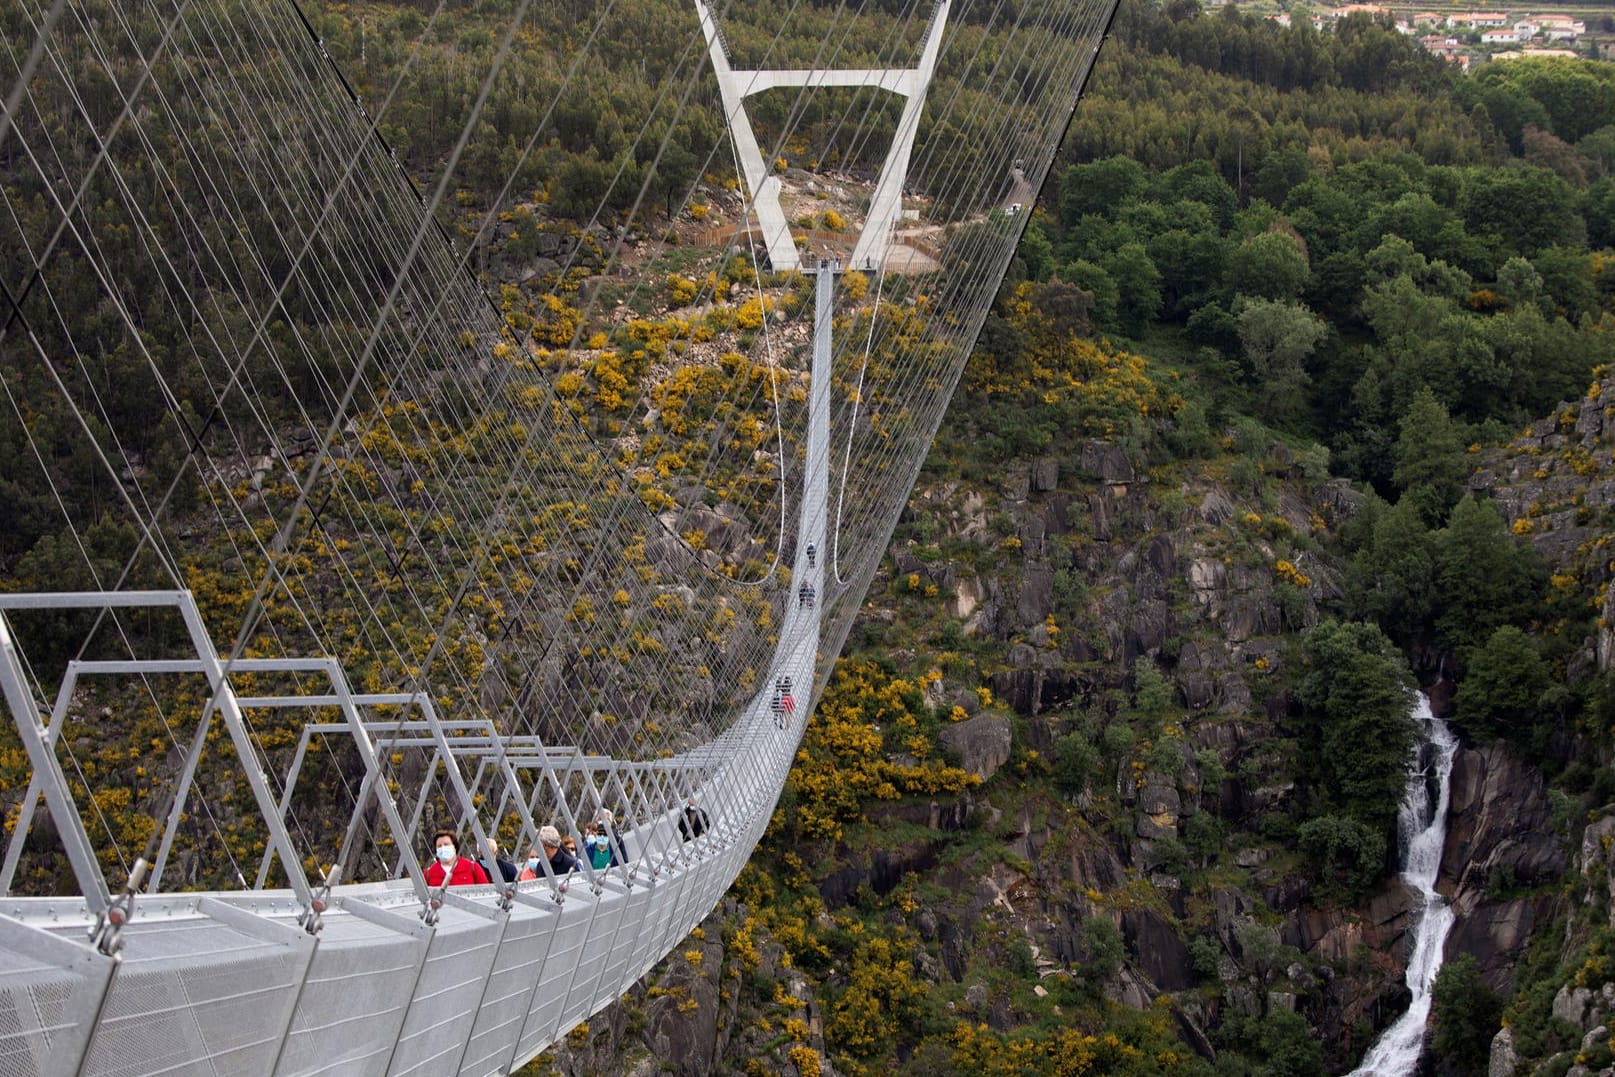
<point x="317" y="539"/>
<point x="387" y="977"/>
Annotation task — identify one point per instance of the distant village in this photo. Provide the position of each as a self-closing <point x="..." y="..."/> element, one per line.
<point x="1468" y="37"/>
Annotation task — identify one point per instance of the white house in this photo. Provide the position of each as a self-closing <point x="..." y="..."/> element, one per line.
<point x="1352" y="9"/>
<point x="1478" y="20"/>
<point x="1560" y="22"/>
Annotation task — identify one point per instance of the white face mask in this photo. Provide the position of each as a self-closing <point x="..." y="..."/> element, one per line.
<point x="445" y="853"/>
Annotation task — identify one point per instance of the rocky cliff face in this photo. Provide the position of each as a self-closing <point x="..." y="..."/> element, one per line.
<point x="1583" y="1007"/>
<point x="1557" y="478"/>
<point x="1502" y="859"/>
<point x="1556" y="484"/>
<point x="1060" y="578"/>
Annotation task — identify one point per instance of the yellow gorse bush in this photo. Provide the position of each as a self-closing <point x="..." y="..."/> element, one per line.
<point x="842" y="761"/>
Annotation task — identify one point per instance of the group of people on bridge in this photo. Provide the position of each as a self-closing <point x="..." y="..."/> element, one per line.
<point x="602" y="848"/>
<point x="782" y="703"/>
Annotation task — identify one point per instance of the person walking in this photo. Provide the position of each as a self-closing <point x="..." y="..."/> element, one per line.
<point x="449" y="864"/>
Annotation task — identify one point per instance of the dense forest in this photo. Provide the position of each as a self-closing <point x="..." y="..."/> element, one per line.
<point x="1343" y="261"/>
<point x="1295" y="293"/>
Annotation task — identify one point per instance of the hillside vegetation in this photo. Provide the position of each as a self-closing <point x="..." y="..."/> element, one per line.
<point x="1301" y="364"/>
<point x="1294" y="400"/>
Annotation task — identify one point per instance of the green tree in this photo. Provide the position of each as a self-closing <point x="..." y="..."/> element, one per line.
<point x="1345" y="856"/>
<point x="1138" y="285"/>
<point x="171" y="463"/>
<point x="1506" y="107"/>
<point x="1191" y="259"/>
<point x="1076" y="761"/>
<point x="1106" y="309"/>
<point x="1272" y="265"/>
<point x="1431" y="462"/>
<point x="1203" y="836"/>
<point x="1599" y="150"/>
<point x="1467" y="1014"/>
<point x="1153" y="693"/>
<point x="1103" y="950"/>
<point x="1568" y="281"/>
<point x="1540" y="360"/>
<point x="1431" y="229"/>
<point x="1356" y="699"/>
<point x="1279" y="1043"/>
<point x="1578" y="96"/>
<point x="1519" y="282"/>
<point x="1281" y="173"/>
<point x="1099" y="188"/>
<point x="1199" y="182"/>
<point x="1037" y="251"/>
<point x="1485" y="577"/>
<point x="1528" y="209"/>
<point x="1502" y="687"/>
<point x="1278" y="337"/>
<point x="1392" y="578"/>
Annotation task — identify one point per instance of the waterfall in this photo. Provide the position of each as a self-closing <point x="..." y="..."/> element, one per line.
<point x="1421" y="827"/>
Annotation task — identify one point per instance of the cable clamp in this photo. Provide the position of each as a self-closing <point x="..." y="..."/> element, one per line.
<point x="434" y="902"/>
<point x="312" y="917"/>
<point x="107" y="934"/>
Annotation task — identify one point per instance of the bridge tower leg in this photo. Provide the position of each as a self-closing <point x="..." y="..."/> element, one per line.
<point x="886" y="206"/>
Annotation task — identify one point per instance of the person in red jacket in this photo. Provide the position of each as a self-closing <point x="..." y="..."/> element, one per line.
<point x="451" y="865"/>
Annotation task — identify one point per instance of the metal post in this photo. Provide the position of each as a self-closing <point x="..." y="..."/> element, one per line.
<point x="25" y="813"/>
<point x="182" y="793"/>
<point x="225" y="695"/>
<point x="64" y="812"/>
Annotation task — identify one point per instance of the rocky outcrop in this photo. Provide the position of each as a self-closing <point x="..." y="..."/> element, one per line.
<point x="1157" y="949"/>
<point x="982" y="743"/>
<point x="1555" y="483"/>
<point x="1038" y="683"/>
<point x="680" y="1020"/>
<point x="1597" y="865"/>
<point x="1503" y="1060"/>
<point x="1585" y="1009"/>
<point x="1074" y="584"/>
<point x="688" y="988"/>
<point x="1337" y="934"/>
<point x="879" y="872"/>
<point x="1501" y="850"/>
<point x="1106" y="462"/>
<point x="1606" y="633"/>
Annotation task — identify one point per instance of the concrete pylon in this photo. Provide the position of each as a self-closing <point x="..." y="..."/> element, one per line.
<point x="763" y="186"/>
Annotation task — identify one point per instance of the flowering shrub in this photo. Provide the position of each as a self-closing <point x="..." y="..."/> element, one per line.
<point x="842" y="762"/>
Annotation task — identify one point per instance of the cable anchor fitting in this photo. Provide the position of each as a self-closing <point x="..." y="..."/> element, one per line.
<point x="107" y="934"/>
<point x="312" y="917"/>
<point x="434" y="902"/>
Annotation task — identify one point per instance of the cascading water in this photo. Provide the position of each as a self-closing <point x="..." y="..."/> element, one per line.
<point x="1421" y="826"/>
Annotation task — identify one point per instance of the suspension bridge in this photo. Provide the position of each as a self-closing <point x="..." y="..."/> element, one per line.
<point x="319" y="539"/>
